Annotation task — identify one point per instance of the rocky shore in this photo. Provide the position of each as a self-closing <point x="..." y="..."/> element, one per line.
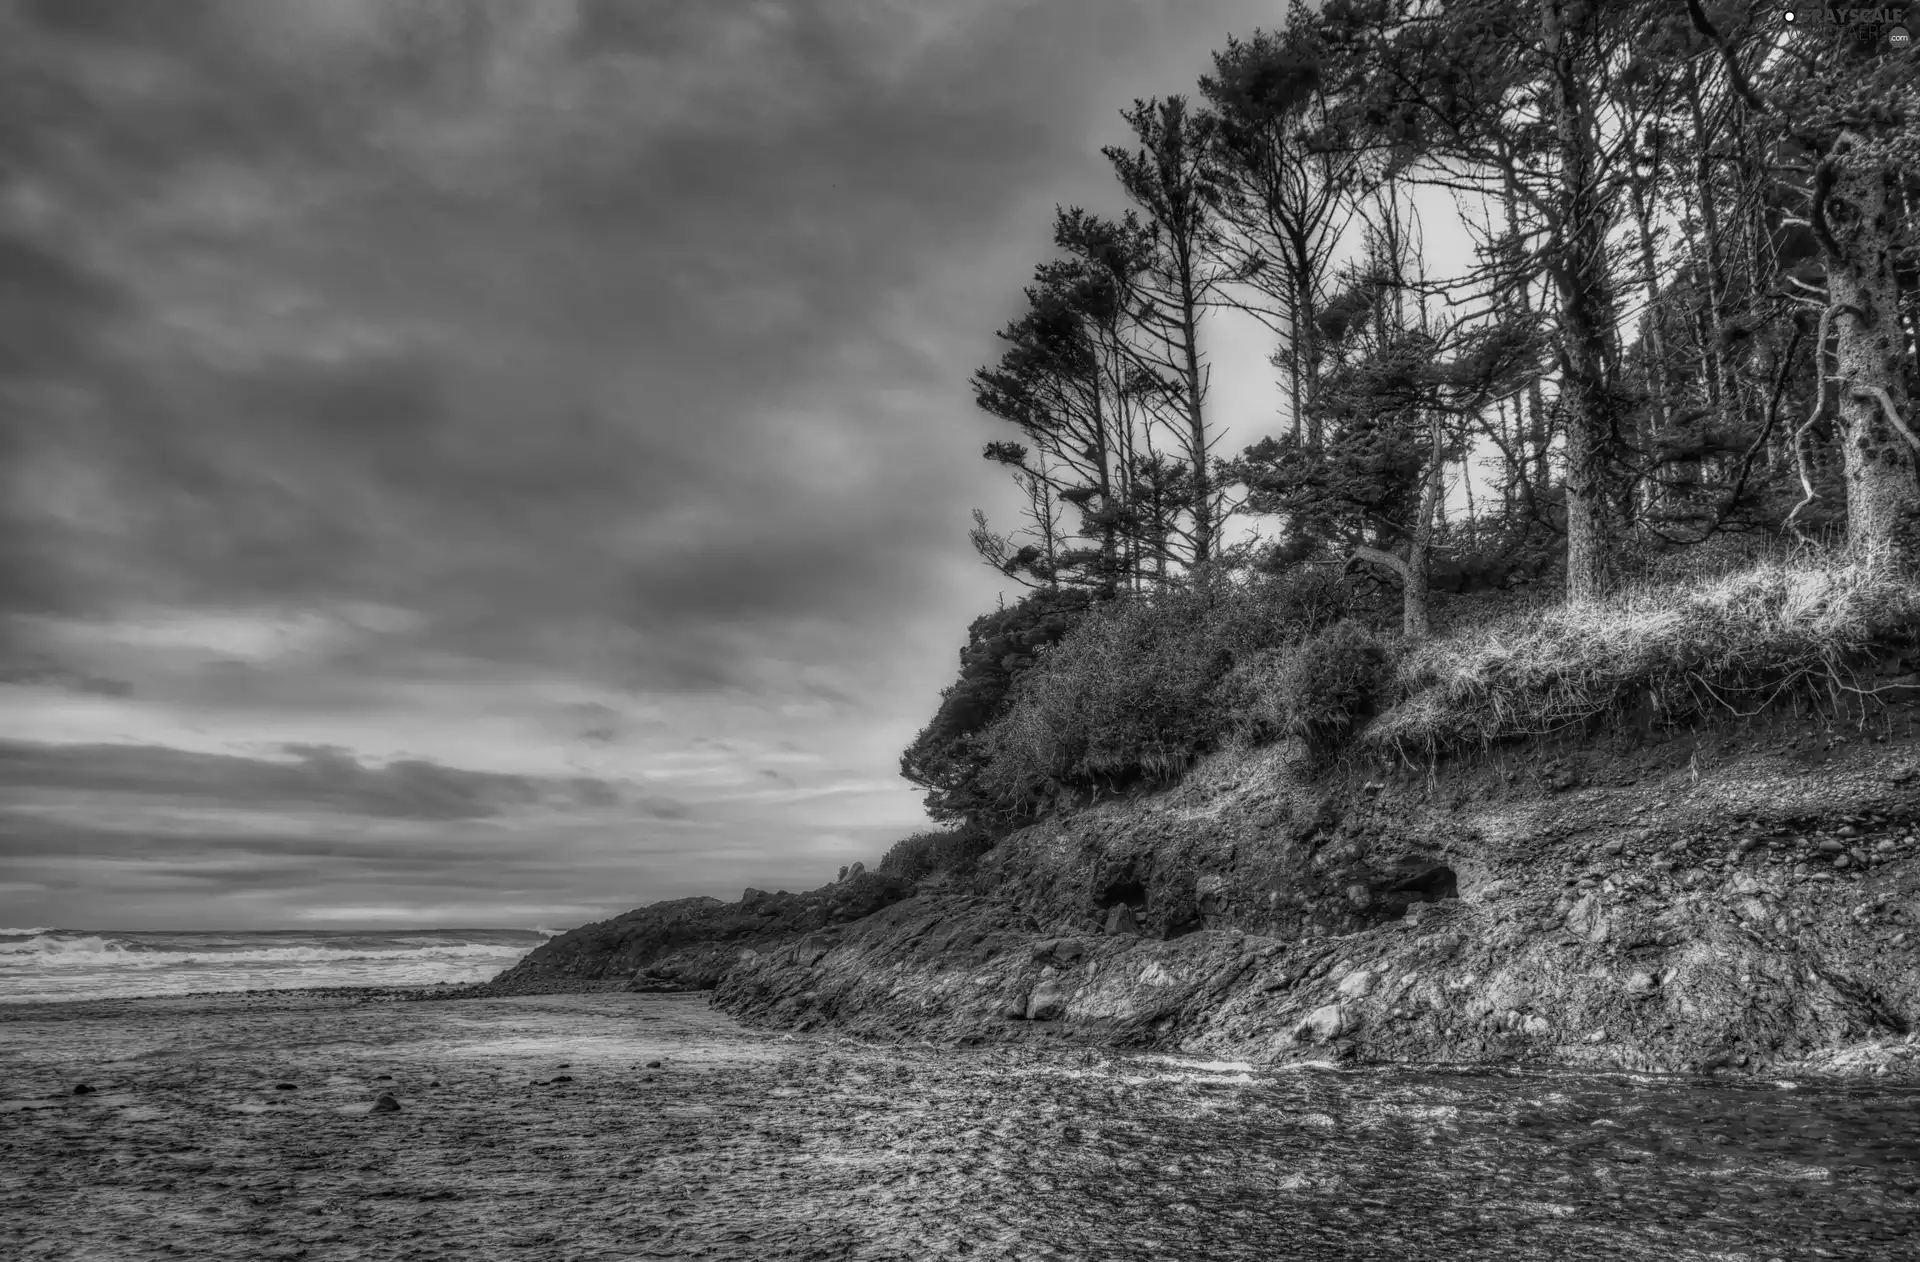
<point x="1746" y="898"/>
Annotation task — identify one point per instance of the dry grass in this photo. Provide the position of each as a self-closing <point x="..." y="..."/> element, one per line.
<point x="1726" y="644"/>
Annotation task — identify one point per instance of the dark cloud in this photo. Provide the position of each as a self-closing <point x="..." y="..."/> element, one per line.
<point x="617" y="350"/>
<point x="45" y="671"/>
<point x="317" y="777"/>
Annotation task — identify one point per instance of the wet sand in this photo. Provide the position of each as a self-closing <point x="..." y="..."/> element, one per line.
<point x="539" y="1128"/>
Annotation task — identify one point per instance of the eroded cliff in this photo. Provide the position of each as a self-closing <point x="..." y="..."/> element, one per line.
<point x="1747" y="897"/>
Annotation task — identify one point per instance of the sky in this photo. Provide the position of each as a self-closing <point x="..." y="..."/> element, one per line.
<point x="500" y="463"/>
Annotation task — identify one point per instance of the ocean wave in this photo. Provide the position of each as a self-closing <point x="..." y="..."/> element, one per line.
<point x="26" y="933"/>
<point x="94" y="951"/>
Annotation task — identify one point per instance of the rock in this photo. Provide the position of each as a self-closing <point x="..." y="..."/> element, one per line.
<point x="1828" y="845"/>
<point x="1598" y="1036"/>
<point x="1848" y="830"/>
<point x="564" y="1078"/>
<point x="1841" y="861"/>
<point x="1641" y="984"/>
<point x="386" y="1104"/>
<point x="1885" y="845"/>
<point x="1120" y="921"/>
<point x="653" y="1064"/>
<point x="1588" y="919"/>
<point x="855" y="871"/>
<point x="1324" y="1023"/>
<point x="1615" y="846"/>
<point x="1048" y="1002"/>
<point x="1062" y="951"/>
<point x="1356" y="985"/>
<point x="285" y="1086"/>
<point x="82" y="1089"/>
<point x="1537" y="1025"/>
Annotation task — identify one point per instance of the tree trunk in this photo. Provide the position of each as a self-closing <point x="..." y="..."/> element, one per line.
<point x="1415" y="568"/>
<point x="1196" y="419"/>
<point x="1579" y="269"/>
<point x="1876" y="438"/>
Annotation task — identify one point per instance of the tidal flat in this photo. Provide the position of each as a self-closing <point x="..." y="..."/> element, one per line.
<point x="621" y="1126"/>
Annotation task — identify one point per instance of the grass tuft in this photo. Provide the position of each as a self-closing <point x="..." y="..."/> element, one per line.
<point x="1726" y="644"/>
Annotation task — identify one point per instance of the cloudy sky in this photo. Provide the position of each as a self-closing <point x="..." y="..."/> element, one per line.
<point x="499" y="463"/>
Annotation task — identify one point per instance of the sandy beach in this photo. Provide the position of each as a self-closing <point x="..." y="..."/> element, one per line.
<point x="616" y="1126"/>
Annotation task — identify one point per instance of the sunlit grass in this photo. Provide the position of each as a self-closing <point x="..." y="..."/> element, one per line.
<point x="1727" y="645"/>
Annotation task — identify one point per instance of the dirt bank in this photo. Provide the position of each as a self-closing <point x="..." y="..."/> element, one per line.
<point x="1745" y="897"/>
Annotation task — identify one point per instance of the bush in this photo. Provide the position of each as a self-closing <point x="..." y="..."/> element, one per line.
<point x="947" y="758"/>
<point x="1145" y="685"/>
<point x="1121" y="699"/>
<point x="1682" y="649"/>
<point x="942" y="850"/>
<point x="1331" y="683"/>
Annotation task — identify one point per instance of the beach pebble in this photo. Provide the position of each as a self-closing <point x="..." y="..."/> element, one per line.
<point x="564" y="1078"/>
<point x="285" y="1086"/>
<point x="83" y="1089"/>
<point x="653" y="1064"/>
<point x="386" y="1104"/>
<point x="383" y="1077"/>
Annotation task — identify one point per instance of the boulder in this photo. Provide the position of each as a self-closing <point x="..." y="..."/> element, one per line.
<point x="1588" y="919"/>
<point x="1324" y="1023"/>
<point x="1048" y="1002"/>
<point x="1121" y="921"/>
<point x="1063" y="952"/>
<point x="1356" y="985"/>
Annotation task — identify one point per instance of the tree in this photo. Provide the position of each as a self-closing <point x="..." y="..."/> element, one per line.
<point x="1170" y="178"/>
<point x="1845" y="115"/>
<point x="1285" y="176"/>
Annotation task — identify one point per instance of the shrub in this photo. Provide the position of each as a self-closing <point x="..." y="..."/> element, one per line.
<point x="946" y="757"/>
<point x="1331" y="683"/>
<point x="1121" y="699"/>
<point x="1732" y="644"/>
<point x="941" y="850"/>
<point x="1145" y="685"/>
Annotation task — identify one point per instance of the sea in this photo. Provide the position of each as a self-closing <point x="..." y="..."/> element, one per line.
<point x="49" y="965"/>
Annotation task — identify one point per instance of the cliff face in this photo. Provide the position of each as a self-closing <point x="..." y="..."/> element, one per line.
<point x="1748" y="898"/>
